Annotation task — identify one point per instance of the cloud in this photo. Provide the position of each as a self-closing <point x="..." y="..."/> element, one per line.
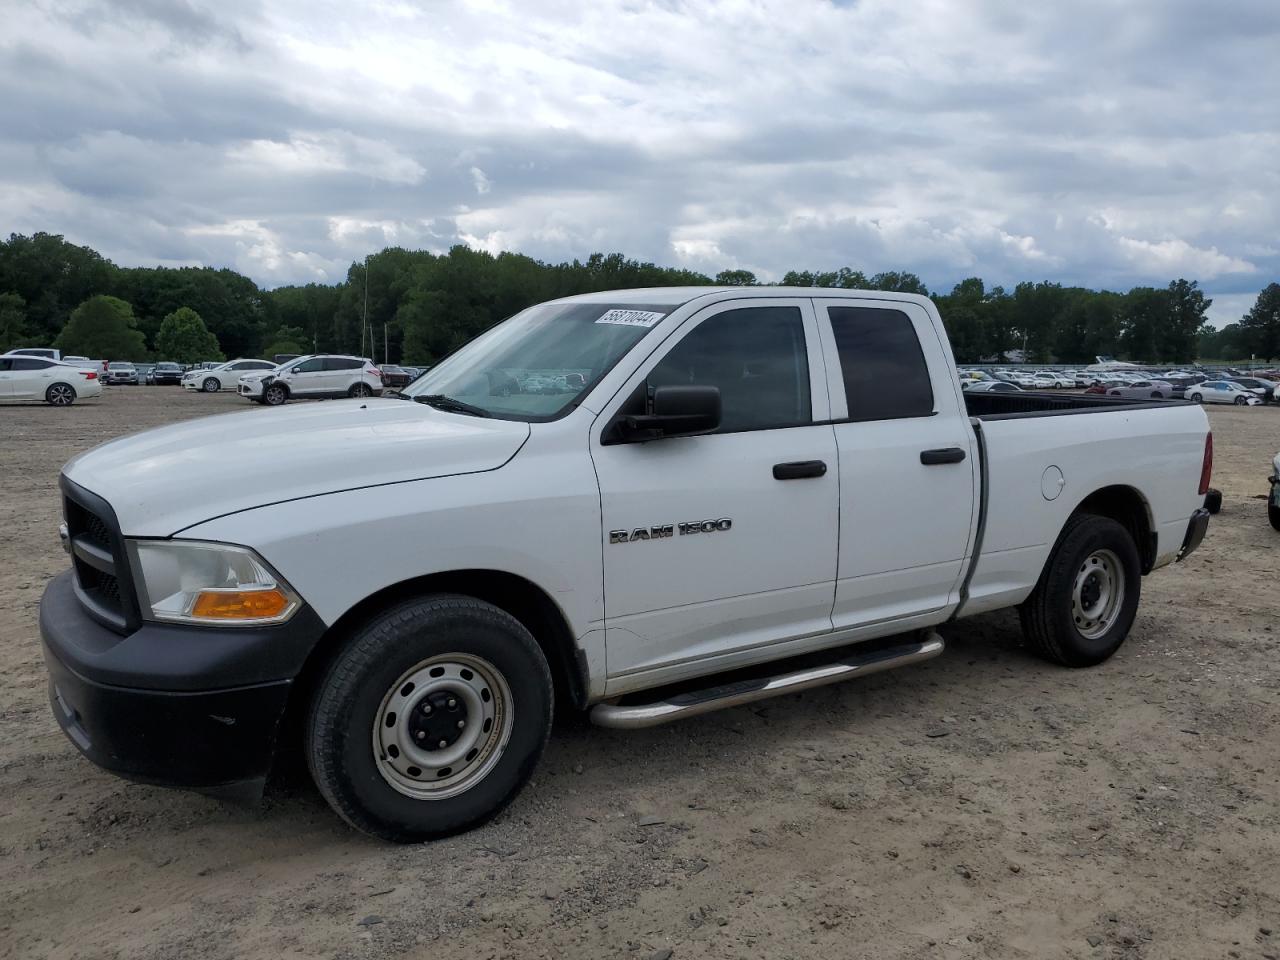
<point x="1086" y="143"/>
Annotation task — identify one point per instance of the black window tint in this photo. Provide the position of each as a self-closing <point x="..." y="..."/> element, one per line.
<point x="6" y="363"/>
<point x="885" y="377"/>
<point x="342" y="363"/>
<point x="756" y="356"/>
<point x="30" y="363"/>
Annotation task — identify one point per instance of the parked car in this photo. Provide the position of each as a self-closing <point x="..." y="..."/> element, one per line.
<point x="225" y="376"/>
<point x="1260" y="387"/>
<point x="30" y="377"/>
<point x="1222" y="391"/>
<point x="394" y="376"/>
<point x="1056" y="379"/>
<point x="324" y="376"/>
<point x="442" y="565"/>
<point x="1273" y="500"/>
<point x="1143" y="390"/>
<point x="84" y="363"/>
<point x="121" y="371"/>
<point x="991" y="386"/>
<point x="49" y="353"/>
<point x="165" y="373"/>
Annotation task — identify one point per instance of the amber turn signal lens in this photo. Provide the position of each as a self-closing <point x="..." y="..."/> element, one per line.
<point x="239" y="604"/>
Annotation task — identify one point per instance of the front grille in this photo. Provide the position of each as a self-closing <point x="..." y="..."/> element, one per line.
<point x="103" y="582"/>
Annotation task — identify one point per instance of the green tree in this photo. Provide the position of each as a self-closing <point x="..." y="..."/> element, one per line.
<point x="1260" y="327"/>
<point x="184" y="338"/>
<point x="1187" y="307"/>
<point x="287" y="340"/>
<point x="736" y="278"/>
<point x="13" y="322"/>
<point x="103" y="328"/>
<point x="895" y="282"/>
<point x="1143" y="316"/>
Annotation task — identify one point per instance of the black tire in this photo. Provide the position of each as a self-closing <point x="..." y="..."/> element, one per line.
<point x="1048" y="621"/>
<point x="351" y="697"/>
<point x="1196" y="398"/>
<point x="359" y="389"/>
<point x="1157" y="395"/>
<point x="60" y="395"/>
<point x="1213" y="501"/>
<point x="275" y="394"/>
<point x="1273" y="514"/>
<point x="211" y="385"/>
<point x="1241" y="401"/>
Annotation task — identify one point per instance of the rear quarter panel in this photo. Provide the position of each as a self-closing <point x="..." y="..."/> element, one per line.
<point x="1157" y="451"/>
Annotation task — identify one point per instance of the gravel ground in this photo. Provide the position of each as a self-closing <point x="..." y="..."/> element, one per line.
<point x="985" y="804"/>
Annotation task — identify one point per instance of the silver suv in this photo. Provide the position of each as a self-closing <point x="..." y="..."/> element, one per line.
<point x="312" y="378"/>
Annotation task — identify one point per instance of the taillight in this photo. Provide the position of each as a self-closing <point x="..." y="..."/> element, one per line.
<point x="88" y="375"/>
<point x="1206" y="468"/>
<point x="374" y="370"/>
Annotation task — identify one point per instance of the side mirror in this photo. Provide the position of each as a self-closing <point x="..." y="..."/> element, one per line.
<point x="675" y="411"/>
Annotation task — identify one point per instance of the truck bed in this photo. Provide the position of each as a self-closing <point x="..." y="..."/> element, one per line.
<point x="1008" y="406"/>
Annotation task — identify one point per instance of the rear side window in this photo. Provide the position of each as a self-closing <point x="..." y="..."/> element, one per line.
<point x="756" y="356"/>
<point x="30" y="363"/>
<point x="885" y="376"/>
<point x="342" y="363"/>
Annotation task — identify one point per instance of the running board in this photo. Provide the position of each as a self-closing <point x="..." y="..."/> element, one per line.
<point x="736" y="693"/>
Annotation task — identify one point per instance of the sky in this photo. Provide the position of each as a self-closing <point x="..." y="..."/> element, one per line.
<point x="1102" y="144"/>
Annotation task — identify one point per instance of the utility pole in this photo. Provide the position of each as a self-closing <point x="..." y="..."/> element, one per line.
<point x="384" y="345"/>
<point x="364" y="322"/>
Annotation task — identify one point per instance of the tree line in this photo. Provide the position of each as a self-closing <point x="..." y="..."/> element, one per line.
<point x="421" y="305"/>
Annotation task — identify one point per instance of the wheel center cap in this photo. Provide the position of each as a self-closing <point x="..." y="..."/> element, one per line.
<point x="438" y="720"/>
<point x="1091" y="590"/>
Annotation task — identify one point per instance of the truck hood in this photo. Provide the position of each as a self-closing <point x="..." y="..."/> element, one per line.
<point x="164" y="480"/>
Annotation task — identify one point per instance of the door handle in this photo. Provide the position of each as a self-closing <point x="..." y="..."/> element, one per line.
<point x="799" y="470"/>
<point x="945" y="455"/>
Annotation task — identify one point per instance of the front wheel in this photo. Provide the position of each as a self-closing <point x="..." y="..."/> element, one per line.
<point x="1196" y="398"/>
<point x="211" y="385"/>
<point x="275" y="395"/>
<point x="1241" y="401"/>
<point x="431" y="719"/>
<point x="1273" y="514"/>
<point x="1085" y="603"/>
<point x="60" y="395"/>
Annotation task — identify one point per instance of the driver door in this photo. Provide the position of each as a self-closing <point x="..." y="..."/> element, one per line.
<point x="306" y="378"/>
<point x="719" y="546"/>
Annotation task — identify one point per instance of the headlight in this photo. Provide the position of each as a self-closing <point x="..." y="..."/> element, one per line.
<point x="188" y="581"/>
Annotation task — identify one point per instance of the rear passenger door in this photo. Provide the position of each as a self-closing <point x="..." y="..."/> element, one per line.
<point x="30" y="377"/>
<point x="341" y="373"/>
<point x="907" y="464"/>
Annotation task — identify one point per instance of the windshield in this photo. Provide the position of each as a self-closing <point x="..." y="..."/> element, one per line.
<point x="535" y="365"/>
<point x="120" y="366"/>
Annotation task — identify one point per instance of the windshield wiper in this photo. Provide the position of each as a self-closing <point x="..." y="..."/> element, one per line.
<point x="441" y="402"/>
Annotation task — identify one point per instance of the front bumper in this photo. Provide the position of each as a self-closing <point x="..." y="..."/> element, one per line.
<point x="179" y="706"/>
<point x="252" y="388"/>
<point x="1197" y="527"/>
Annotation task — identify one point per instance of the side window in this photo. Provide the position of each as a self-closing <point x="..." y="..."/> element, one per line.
<point x="313" y="365"/>
<point x="30" y="363"/>
<point x="261" y="365"/>
<point x="342" y="363"/>
<point x="756" y="356"/>
<point x="885" y="375"/>
<point x="6" y="364"/>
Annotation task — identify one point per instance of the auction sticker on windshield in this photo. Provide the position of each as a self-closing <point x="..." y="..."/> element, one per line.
<point x="631" y="318"/>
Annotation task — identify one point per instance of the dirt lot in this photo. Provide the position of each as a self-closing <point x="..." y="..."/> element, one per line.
<point x="982" y="805"/>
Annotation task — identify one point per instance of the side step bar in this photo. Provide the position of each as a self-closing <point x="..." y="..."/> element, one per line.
<point x="736" y="693"/>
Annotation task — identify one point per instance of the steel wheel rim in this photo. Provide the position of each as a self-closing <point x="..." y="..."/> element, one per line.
<point x="1097" y="594"/>
<point x="60" y="395"/>
<point x="424" y="770"/>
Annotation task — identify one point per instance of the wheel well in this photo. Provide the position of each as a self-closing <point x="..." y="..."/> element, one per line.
<point x="524" y="600"/>
<point x="1127" y="507"/>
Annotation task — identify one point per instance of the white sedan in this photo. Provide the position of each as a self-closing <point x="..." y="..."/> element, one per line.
<point x="225" y="377"/>
<point x="1221" y="391"/>
<point x="46" y="381"/>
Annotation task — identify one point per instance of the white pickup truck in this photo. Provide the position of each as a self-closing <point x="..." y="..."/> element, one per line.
<point x="646" y="504"/>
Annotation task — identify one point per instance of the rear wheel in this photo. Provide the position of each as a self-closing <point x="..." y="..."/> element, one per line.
<point x="1085" y="603"/>
<point x="359" y="390"/>
<point x="275" y="395"/>
<point x="211" y="385"/>
<point x="431" y="719"/>
<point x="1273" y="514"/>
<point x="60" y="395"/>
